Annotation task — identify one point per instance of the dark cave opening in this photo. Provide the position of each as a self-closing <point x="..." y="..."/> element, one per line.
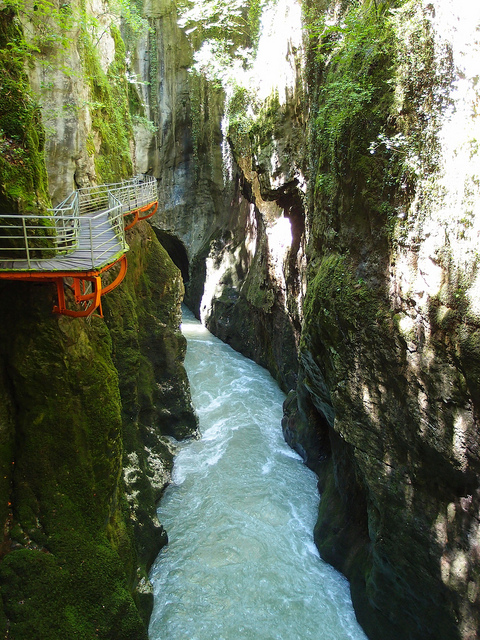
<point x="176" y="250"/>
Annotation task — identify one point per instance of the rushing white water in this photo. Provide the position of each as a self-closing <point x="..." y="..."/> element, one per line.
<point x="241" y="562"/>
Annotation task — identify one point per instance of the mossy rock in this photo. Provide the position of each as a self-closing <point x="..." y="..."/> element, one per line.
<point x="80" y="593"/>
<point x="23" y="176"/>
<point x="69" y="558"/>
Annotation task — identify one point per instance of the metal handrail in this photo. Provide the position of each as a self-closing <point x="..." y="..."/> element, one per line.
<point x="133" y="194"/>
<point x="28" y="237"/>
<point x="34" y="238"/>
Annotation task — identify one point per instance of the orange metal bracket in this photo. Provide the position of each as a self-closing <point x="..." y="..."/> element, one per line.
<point x="150" y="208"/>
<point x="95" y="298"/>
<point x="79" y="286"/>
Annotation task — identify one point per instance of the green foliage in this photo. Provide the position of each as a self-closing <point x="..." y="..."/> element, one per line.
<point x="224" y="21"/>
<point x="133" y="23"/>
<point x="110" y="109"/>
<point x="53" y="597"/>
<point x="141" y="121"/>
<point x="240" y="118"/>
<point x="224" y="35"/>
<point x="265" y="120"/>
<point x="355" y="90"/>
<point x="46" y="27"/>
<point x="357" y="157"/>
<point x="23" y="179"/>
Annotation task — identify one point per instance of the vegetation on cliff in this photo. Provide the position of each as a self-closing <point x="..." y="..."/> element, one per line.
<point x="62" y="572"/>
<point x="86" y="404"/>
<point x="388" y="395"/>
<point x="76" y="545"/>
<point x="23" y="178"/>
<point x="389" y="384"/>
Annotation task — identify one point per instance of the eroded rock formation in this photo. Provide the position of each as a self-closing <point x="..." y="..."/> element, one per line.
<point x="375" y="294"/>
<point x="326" y="226"/>
<point x="89" y="406"/>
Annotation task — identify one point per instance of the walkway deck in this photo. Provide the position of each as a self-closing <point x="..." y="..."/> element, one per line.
<point x="105" y="247"/>
<point x="81" y="238"/>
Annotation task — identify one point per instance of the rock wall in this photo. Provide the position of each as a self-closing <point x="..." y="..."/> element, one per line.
<point x="388" y="357"/>
<point x="86" y="408"/>
<point x="229" y="205"/>
<point x="364" y="304"/>
<point x="326" y="223"/>
<point x="90" y="407"/>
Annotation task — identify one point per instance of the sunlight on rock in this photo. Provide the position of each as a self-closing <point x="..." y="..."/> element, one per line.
<point x="406" y="326"/>
<point x="462" y="422"/>
<point x="459" y="567"/>
<point x="217" y="269"/>
<point x="279" y="242"/>
<point x="441" y="529"/>
<point x="251" y="232"/>
<point x="448" y="196"/>
<point x="281" y="33"/>
<point x="460" y="131"/>
<point x="370" y="406"/>
<point x="280" y="235"/>
<point x="227" y="157"/>
<point x="473" y="296"/>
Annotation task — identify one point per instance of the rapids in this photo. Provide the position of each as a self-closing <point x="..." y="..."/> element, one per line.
<point x="241" y="563"/>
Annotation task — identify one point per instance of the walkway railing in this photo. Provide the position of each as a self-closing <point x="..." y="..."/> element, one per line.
<point x="83" y="237"/>
<point x="30" y="242"/>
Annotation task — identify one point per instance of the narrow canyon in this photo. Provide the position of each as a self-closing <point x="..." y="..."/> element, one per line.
<point x="317" y="192"/>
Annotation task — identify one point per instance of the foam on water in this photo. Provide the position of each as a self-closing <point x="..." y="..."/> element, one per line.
<point x="241" y="562"/>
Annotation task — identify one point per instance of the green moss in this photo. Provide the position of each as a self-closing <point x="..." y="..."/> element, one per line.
<point x="351" y="68"/>
<point x="111" y="117"/>
<point x="143" y="316"/>
<point x="147" y="334"/>
<point x="338" y="301"/>
<point x="70" y="576"/>
<point x="23" y="177"/>
<point x="78" y="594"/>
<point x="266" y="119"/>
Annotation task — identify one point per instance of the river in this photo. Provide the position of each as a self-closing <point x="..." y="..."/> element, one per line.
<point x="241" y="563"/>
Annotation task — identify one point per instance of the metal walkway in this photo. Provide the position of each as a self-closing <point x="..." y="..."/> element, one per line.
<point x="83" y="237"/>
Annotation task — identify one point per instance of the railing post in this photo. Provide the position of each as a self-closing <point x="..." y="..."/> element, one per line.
<point x="26" y="241"/>
<point x="91" y="243"/>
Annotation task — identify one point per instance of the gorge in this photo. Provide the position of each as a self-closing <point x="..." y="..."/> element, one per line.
<point x="318" y="189"/>
<point x="240" y="511"/>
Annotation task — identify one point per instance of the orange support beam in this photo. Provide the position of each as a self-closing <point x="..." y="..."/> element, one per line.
<point x="150" y="208"/>
<point x="79" y="286"/>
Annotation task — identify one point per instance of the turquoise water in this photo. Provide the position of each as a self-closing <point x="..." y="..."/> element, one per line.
<point x="241" y="562"/>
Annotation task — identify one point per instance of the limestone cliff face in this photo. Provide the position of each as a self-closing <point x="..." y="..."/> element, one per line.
<point x="88" y="406"/>
<point x="230" y="205"/>
<point x="389" y="351"/>
<point x="375" y="292"/>
<point x="184" y="153"/>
